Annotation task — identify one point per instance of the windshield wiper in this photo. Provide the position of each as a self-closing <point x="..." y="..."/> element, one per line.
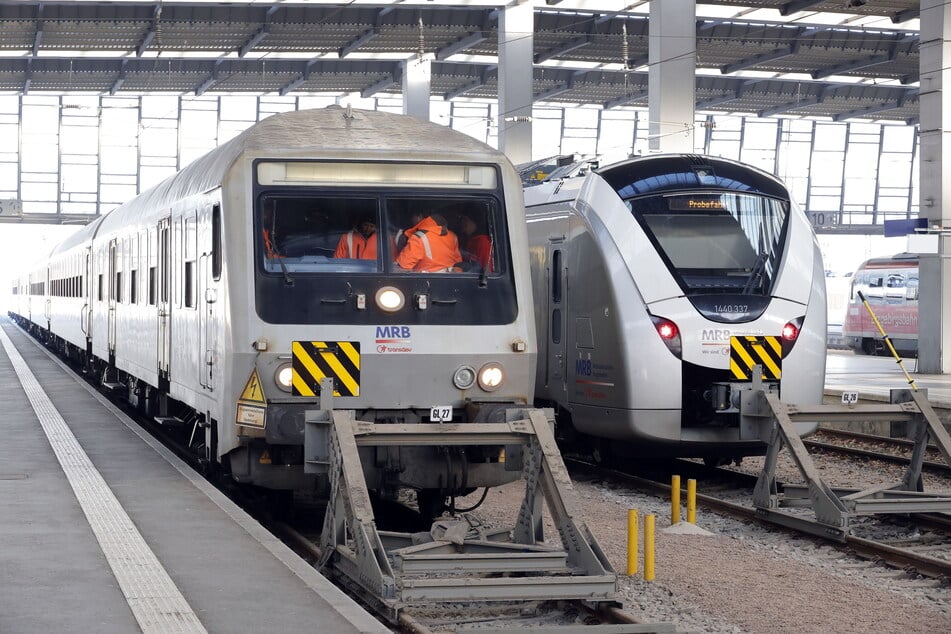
<point x="288" y="280"/>
<point x="756" y="273"/>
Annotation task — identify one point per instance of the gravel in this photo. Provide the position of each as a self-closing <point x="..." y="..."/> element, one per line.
<point x="734" y="577"/>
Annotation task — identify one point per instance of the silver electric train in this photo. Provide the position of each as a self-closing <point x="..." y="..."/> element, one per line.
<point x="219" y="300"/>
<point x="660" y="283"/>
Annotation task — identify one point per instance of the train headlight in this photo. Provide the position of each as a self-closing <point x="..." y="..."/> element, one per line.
<point x="491" y="376"/>
<point x="284" y="376"/>
<point x="790" y="334"/>
<point x="390" y="299"/>
<point x="464" y="377"/>
<point x="669" y="334"/>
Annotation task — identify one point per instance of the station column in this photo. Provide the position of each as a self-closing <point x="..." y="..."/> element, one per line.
<point x="671" y="83"/>
<point x="516" y="59"/>
<point x="934" y="303"/>
<point x="417" y="79"/>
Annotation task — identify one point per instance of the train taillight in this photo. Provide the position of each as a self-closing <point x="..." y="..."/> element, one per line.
<point x="669" y="334"/>
<point x="790" y="333"/>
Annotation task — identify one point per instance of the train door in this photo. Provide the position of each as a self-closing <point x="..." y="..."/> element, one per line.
<point x="209" y="265"/>
<point x="163" y="296"/>
<point x="555" y="361"/>
<point x="85" y="290"/>
<point x="113" y="287"/>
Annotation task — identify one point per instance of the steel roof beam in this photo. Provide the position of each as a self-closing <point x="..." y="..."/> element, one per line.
<point x="260" y="34"/>
<point x="861" y="112"/>
<point x="858" y="64"/>
<point x="794" y="105"/>
<point x="358" y="41"/>
<point x="38" y="34"/>
<point x="614" y="103"/>
<point x="797" y="5"/>
<point x="567" y="47"/>
<point x="211" y="81"/>
<point x="762" y="58"/>
<point x="557" y="90"/>
<point x="151" y="32"/>
<point x="739" y="93"/>
<point x="904" y="16"/>
<point x="117" y="84"/>
<point x="472" y="85"/>
<point x="461" y="45"/>
<point x="380" y="86"/>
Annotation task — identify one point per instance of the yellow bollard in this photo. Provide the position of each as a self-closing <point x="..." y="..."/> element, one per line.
<point x="691" y="501"/>
<point x="632" y="538"/>
<point x="648" y="548"/>
<point x="674" y="500"/>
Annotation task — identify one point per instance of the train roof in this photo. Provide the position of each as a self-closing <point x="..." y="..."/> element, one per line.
<point x="331" y="132"/>
<point x="897" y="260"/>
<point x="660" y="173"/>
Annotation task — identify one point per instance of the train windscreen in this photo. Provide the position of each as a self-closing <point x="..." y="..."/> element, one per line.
<point x="716" y="243"/>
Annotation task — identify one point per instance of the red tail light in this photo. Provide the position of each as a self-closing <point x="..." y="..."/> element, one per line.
<point x="669" y="334"/>
<point x="790" y="332"/>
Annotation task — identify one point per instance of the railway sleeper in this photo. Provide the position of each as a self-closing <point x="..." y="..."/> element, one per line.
<point x="458" y="561"/>
<point x="764" y="416"/>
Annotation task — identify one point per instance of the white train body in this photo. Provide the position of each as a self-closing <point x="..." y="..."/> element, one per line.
<point x="712" y="247"/>
<point x="174" y="298"/>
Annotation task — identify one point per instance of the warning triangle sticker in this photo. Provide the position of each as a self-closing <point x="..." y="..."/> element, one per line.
<point x="252" y="391"/>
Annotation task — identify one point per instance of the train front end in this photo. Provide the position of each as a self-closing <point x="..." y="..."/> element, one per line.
<point x="400" y="276"/>
<point x="716" y="274"/>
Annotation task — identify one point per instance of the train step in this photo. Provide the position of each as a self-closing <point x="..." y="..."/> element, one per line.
<point x="169" y="421"/>
<point x="458" y="560"/>
<point x="114" y="386"/>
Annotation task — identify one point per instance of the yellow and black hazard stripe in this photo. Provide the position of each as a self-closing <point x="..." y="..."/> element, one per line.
<point x="746" y="352"/>
<point x="315" y="360"/>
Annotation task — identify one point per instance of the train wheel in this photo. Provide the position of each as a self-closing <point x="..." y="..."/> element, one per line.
<point x="869" y="346"/>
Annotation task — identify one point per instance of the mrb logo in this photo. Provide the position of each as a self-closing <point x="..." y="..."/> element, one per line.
<point x="583" y="367"/>
<point x="715" y="335"/>
<point x="391" y="333"/>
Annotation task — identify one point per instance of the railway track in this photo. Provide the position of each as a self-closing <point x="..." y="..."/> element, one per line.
<point x="919" y="544"/>
<point x="893" y="450"/>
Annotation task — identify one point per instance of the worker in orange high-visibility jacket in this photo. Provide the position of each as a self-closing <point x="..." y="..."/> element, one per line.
<point x="358" y="243"/>
<point x="430" y="247"/>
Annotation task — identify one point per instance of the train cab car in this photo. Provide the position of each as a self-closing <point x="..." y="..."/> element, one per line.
<point x="661" y="282"/>
<point x="384" y="253"/>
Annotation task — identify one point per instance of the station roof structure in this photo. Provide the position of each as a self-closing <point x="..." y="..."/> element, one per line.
<point x="843" y="59"/>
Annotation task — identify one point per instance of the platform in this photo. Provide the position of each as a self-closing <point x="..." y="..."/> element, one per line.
<point x="874" y="377"/>
<point x="104" y="530"/>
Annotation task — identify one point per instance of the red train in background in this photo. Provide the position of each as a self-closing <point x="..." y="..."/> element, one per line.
<point x="891" y="287"/>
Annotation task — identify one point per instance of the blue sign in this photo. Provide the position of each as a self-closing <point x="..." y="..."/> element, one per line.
<point x="895" y="228"/>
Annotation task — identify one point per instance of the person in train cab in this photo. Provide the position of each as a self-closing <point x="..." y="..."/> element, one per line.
<point x="360" y="242"/>
<point x="430" y="247"/>
<point x="415" y="217"/>
<point x="478" y="244"/>
<point x="268" y="223"/>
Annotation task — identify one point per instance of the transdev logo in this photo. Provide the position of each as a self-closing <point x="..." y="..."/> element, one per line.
<point x="393" y="339"/>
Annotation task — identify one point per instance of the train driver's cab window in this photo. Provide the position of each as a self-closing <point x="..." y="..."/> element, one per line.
<point x="443" y="235"/>
<point x="392" y="233"/>
<point x="318" y="234"/>
<point x="716" y="243"/>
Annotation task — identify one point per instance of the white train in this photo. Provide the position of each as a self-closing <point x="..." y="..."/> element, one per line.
<point x="660" y="282"/>
<point x="217" y="300"/>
